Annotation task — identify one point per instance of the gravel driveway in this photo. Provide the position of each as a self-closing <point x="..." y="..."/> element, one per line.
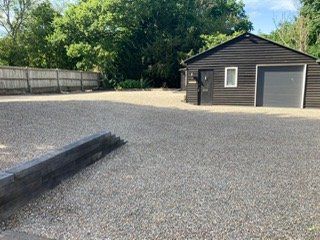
<point x="187" y="171"/>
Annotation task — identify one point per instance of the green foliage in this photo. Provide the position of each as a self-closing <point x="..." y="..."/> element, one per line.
<point x="37" y="29"/>
<point x="303" y="32"/>
<point x="12" y="53"/>
<point x="124" y="39"/>
<point x="31" y="46"/>
<point x="143" y="38"/>
<point x="89" y="33"/>
<point x="217" y="39"/>
<point x="287" y="33"/>
<point x="315" y="49"/>
<point x="311" y="11"/>
<point x="132" y="84"/>
<point x="13" y="14"/>
<point x="140" y="39"/>
<point x="109" y="83"/>
<point x="125" y="84"/>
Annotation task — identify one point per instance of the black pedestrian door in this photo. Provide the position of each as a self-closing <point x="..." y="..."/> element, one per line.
<point x="206" y="87"/>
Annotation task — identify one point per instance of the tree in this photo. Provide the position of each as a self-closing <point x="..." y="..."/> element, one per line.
<point x="292" y="33"/>
<point x="311" y="12"/>
<point x="89" y="35"/>
<point x="38" y="28"/>
<point x="143" y="38"/>
<point x="12" y="52"/>
<point x="303" y="32"/>
<point x="13" y="14"/>
<point x="216" y="39"/>
<point x="31" y="45"/>
<point x="174" y="29"/>
<point x="61" y="5"/>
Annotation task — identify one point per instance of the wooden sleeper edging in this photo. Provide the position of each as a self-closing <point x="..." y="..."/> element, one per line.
<point x="26" y="180"/>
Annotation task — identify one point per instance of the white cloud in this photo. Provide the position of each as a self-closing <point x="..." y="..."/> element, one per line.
<point x="276" y="5"/>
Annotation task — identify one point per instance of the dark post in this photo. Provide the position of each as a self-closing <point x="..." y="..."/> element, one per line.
<point x="81" y="79"/>
<point x="199" y="83"/>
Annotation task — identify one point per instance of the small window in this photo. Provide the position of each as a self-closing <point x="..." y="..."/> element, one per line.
<point x="231" y="77"/>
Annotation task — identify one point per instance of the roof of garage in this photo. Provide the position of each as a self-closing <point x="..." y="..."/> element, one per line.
<point x="247" y="34"/>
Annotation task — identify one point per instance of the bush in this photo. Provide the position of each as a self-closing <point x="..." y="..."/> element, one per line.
<point x="132" y="84"/>
<point x="109" y="84"/>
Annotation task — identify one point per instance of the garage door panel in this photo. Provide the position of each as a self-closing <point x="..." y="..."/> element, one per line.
<point x="280" y="86"/>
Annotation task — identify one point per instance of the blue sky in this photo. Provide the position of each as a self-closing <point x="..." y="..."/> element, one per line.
<point x="264" y="13"/>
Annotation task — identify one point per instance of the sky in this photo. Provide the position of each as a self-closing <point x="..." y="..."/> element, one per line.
<point x="264" y="13"/>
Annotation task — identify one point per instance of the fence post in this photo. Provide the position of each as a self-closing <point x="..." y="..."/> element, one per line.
<point x="28" y="80"/>
<point x="58" y="80"/>
<point x="81" y="79"/>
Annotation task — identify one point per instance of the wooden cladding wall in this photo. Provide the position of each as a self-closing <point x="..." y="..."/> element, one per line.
<point x="312" y="97"/>
<point x="17" y="80"/>
<point x="245" y="53"/>
<point x="192" y="93"/>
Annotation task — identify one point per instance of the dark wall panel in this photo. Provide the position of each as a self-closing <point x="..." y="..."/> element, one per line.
<point x="192" y="93"/>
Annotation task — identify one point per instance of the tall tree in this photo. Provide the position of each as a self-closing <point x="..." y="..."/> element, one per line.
<point x="38" y="28"/>
<point x="88" y="32"/>
<point x="216" y="39"/>
<point x="12" y="52"/>
<point x="31" y="44"/>
<point x="144" y="38"/>
<point x="311" y="12"/>
<point x="13" y="13"/>
<point x="292" y="33"/>
<point x="303" y="32"/>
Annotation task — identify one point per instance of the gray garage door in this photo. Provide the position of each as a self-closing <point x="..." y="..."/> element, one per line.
<point x="280" y="86"/>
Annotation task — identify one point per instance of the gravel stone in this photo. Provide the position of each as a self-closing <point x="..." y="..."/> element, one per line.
<point x="187" y="172"/>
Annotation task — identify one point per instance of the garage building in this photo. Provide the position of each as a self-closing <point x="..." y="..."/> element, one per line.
<point x="253" y="71"/>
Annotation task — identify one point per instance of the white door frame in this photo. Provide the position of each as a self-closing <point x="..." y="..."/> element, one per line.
<point x="304" y="81"/>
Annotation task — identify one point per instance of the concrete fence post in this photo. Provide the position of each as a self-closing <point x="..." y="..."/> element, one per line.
<point x="28" y="80"/>
<point x="100" y="78"/>
<point x="81" y="80"/>
<point x="58" y="80"/>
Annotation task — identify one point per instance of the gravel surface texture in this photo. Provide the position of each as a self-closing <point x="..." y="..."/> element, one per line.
<point x="187" y="172"/>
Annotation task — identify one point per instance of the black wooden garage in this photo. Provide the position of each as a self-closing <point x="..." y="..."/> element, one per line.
<point x="253" y="71"/>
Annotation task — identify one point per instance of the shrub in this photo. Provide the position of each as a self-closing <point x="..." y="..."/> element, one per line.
<point x="109" y="84"/>
<point x="132" y="84"/>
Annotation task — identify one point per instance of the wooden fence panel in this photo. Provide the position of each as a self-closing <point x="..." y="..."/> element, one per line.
<point x="43" y="78"/>
<point x="87" y="79"/>
<point x="22" y="80"/>
<point x="13" y="78"/>
<point x="70" y="79"/>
